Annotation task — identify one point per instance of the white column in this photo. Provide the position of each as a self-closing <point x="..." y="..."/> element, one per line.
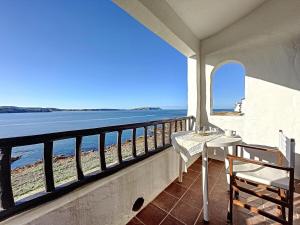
<point x="193" y="75"/>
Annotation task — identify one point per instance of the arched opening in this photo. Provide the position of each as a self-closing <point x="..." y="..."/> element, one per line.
<point x="228" y="89"/>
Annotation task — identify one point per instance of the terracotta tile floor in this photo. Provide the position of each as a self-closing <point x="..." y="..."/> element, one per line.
<point x="181" y="203"/>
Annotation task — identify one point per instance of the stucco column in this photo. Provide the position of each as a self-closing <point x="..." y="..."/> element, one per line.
<point x="193" y="72"/>
<point x="203" y="93"/>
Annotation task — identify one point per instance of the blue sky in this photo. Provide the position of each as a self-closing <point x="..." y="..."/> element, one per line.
<point x="86" y="54"/>
<point x="228" y="85"/>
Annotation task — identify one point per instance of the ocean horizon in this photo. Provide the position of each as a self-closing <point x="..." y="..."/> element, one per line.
<point x="24" y="124"/>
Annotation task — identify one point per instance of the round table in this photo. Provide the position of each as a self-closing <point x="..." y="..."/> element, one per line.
<point x="219" y="142"/>
<point x="224" y="142"/>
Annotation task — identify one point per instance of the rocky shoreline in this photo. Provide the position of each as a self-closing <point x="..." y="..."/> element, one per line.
<point x="29" y="179"/>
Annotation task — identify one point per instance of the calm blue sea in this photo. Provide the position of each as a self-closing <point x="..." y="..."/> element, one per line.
<point x="223" y="110"/>
<point x="20" y="124"/>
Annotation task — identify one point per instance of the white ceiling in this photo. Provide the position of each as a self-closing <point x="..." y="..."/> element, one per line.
<point x="207" y="17"/>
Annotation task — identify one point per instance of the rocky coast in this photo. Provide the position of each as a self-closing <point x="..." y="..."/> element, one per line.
<point x="29" y="179"/>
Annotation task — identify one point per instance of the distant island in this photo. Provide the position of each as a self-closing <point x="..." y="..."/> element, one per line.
<point x="16" y="109"/>
<point x="147" y="108"/>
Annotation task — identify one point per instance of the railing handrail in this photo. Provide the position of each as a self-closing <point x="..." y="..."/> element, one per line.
<point x="55" y="136"/>
<point x="11" y="207"/>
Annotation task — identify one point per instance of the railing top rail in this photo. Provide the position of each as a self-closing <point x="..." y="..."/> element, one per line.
<point x="42" y="138"/>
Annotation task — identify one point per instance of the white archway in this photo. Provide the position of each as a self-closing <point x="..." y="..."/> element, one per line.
<point x="228" y="88"/>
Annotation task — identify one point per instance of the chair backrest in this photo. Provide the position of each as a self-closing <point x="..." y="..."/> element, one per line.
<point x="287" y="148"/>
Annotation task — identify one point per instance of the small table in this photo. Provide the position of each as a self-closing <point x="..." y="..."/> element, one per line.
<point x="202" y="143"/>
<point x="225" y="142"/>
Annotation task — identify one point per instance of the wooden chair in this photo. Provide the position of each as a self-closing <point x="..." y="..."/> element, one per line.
<point x="268" y="177"/>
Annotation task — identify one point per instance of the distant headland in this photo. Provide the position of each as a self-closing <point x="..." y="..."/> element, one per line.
<point x="16" y="109"/>
<point x="147" y="108"/>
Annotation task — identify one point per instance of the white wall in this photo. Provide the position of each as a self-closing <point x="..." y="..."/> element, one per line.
<point x="267" y="43"/>
<point x="108" y="201"/>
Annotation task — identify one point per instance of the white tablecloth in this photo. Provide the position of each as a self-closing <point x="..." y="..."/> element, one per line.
<point x="188" y="143"/>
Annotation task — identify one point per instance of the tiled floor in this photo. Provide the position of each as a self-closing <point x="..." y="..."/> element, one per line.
<point x="181" y="203"/>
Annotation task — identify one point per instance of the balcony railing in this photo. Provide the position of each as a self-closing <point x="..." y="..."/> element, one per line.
<point x="11" y="207"/>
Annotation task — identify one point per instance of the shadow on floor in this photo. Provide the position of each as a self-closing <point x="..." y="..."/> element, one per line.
<point x="181" y="203"/>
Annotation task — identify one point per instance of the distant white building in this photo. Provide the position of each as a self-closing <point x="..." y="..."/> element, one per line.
<point x="239" y="106"/>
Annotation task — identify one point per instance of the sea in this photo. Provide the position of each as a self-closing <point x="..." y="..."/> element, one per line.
<point x="23" y="124"/>
<point x="223" y="110"/>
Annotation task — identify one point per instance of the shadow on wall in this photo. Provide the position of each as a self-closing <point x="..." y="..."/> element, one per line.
<point x="262" y="155"/>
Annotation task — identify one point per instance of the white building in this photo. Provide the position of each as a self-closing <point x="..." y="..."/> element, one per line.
<point x="239" y="106"/>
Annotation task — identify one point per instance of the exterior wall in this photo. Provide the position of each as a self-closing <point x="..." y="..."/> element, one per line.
<point x="110" y="200"/>
<point x="267" y="43"/>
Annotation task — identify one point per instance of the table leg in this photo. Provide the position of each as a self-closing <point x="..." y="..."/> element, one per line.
<point x="180" y="169"/>
<point x="227" y="167"/>
<point x="205" y="184"/>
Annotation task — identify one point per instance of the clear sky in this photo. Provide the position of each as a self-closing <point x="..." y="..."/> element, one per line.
<point x="91" y="54"/>
<point x="85" y="54"/>
<point x="228" y="85"/>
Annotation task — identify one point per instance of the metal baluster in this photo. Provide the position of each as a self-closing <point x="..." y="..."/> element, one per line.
<point x="48" y="166"/>
<point x="80" y="175"/>
<point x="6" y="194"/>
<point x="155" y="136"/>
<point x="120" y="146"/>
<point x="170" y="132"/>
<point x="163" y="135"/>
<point x="102" y="151"/>
<point x="134" y="142"/>
<point x="146" y="139"/>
